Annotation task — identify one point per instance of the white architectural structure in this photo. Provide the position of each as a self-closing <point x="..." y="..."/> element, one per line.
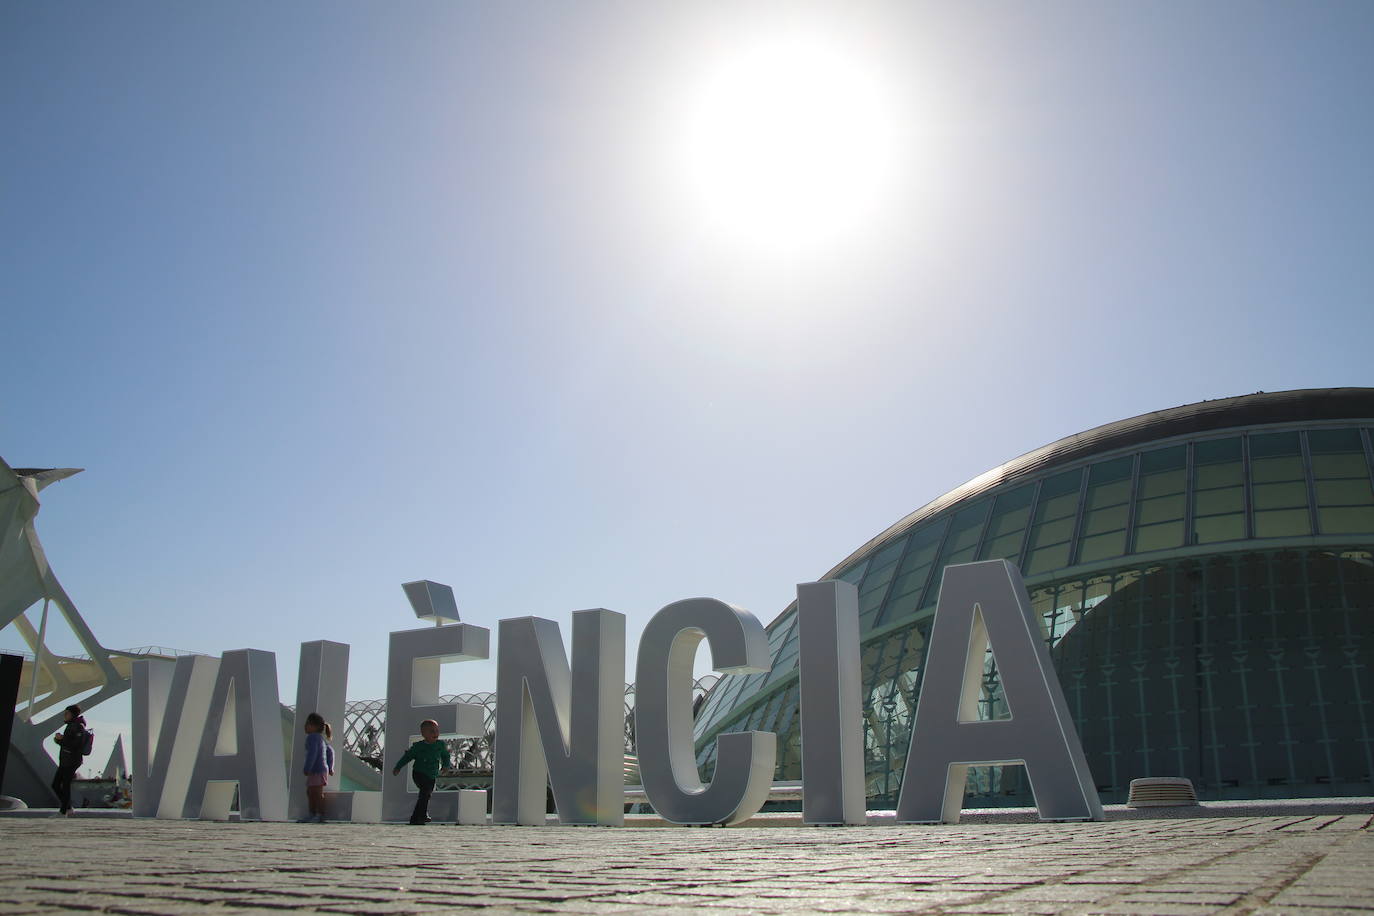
<point x="49" y="681"/>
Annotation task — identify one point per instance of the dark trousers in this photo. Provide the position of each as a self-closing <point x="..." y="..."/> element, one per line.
<point x="62" y="782"/>
<point x="426" y="786"/>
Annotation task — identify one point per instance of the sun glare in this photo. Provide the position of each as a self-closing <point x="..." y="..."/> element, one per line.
<point x="788" y="145"/>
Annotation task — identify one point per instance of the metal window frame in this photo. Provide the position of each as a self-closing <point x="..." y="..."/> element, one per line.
<point x="1309" y="474"/>
<point x="987" y="522"/>
<point x="1074" y="545"/>
<point x="1245" y="483"/>
<point x="1368" y="439"/>
<point x="1024" y="553"/>
<point x="1134" y="508"/>
<point x="1189" y="489"/>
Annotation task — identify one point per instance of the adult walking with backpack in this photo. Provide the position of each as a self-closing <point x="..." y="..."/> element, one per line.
<point x="75" y="743"/>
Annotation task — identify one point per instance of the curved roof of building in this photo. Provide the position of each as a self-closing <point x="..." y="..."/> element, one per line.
<point x="1299" y="406"/>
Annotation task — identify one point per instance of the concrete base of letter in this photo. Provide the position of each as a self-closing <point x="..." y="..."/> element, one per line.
<point x="354" y="807"/>
<point x="472" y="806"/>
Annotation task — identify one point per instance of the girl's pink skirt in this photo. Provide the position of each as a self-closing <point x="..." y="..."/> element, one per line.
<point x="316" y="779"/>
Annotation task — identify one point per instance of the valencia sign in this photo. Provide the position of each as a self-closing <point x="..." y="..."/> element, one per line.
<point x="206" y="727"/>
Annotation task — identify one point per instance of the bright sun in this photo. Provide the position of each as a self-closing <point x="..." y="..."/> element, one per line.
<point x="788" y="146"/>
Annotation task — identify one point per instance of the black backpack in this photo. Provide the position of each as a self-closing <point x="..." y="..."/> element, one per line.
<point x="87" y="742"/>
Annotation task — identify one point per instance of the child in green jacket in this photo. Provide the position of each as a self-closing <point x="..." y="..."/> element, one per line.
<point x="429" y="754"/>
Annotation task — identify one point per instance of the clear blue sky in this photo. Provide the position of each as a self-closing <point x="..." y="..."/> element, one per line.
<point x="330" y="296"/>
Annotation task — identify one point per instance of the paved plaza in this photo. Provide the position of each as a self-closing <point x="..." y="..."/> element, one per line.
<point x="1301" y="862"/>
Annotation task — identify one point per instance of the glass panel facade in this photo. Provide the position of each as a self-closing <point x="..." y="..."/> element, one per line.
<point x="1105" y="510"/>
<point x="736" y="689"/>
<point x="1054" y="521"/>
<point x="1007" y="526"/>
<point x="1219" y="494"/>
<point x="1160" y="502"/>
<point x="784" y="654"/>
<point x="1342" y="481"/>
<point x="873" y="589"/>
<point x="788" y="730"/>
<point x="1278" y="485"/>
<point x="914" y="572"/>
<point x="964" y="531"/>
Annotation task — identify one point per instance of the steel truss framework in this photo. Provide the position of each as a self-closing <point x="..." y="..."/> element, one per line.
<point x="365" y="728"/>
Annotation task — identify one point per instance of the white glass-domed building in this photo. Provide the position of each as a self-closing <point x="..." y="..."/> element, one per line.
<point x="1204" y="577"/>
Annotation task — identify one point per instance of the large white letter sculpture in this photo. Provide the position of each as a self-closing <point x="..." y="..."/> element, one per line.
<point x="152" y="682"/>
<point x="240" y="743"/>
<point x="321" y="686"/>
<point x="831" y="704"/>
<point x="559" y="726"/>
<point x="412" y="693"/>
<point x="170" y="703"/>
<point x="984" y="604"/>
<point x="663" y="714"/>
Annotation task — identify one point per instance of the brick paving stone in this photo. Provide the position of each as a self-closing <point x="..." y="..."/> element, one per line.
<point x="603" y="906"/>
<point x="877" y="907"/>
<point x="1069" y="893"/>
<point x="366" y="908"/>
<point x="1309" y="899"/>
<point x="1000" y="908"/>
<point x="1125" y="908"/>
<point x="1153" y="897"/>
<point x="729" y="892"/>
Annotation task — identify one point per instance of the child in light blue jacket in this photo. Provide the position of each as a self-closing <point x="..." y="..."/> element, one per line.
<point x="319" y="764"/>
